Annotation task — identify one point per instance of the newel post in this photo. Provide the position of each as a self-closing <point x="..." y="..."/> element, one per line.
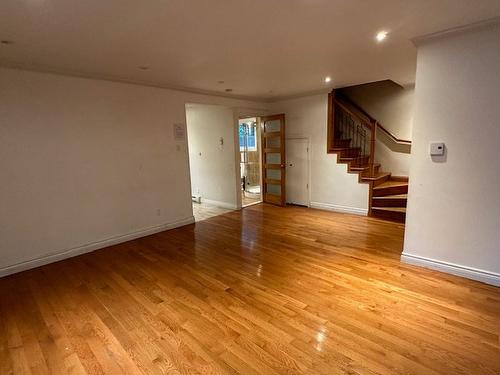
<point x="372" y="147"/>
<point x="330" y="131"/>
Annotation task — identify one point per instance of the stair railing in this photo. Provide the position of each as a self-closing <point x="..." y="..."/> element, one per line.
<point x="352" y="130"/>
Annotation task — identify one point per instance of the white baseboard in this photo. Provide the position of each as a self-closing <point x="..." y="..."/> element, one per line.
<point x="221" y="204"/>
<point x="54" y="257"/>
<point x="487" y="277"/>
<point x="337" y="208"/>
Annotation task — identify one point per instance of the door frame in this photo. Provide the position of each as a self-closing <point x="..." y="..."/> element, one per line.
<point x="308" y="141"/>
<point x="259" y="148"/>
<point x="239" y="114"/>
<point x="282" y="164"/>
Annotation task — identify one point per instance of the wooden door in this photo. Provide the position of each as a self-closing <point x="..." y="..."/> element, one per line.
<point x="273" y="159"/>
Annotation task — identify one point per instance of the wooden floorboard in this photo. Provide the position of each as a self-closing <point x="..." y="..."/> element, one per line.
<point x="265" y="290"/>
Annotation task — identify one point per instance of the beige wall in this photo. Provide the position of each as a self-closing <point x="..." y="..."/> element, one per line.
<point x="392" y="106"/>
<point x="331" y="187"/>
<point x="453" y="219"/>
<point x="87" y="163"/>
<point x="212" y="165"/>
<point x="388" y="103"/>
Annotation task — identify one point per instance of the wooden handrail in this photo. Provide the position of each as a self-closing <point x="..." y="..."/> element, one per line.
<point x="392" y="136"/>
<point x="351" y="107"/>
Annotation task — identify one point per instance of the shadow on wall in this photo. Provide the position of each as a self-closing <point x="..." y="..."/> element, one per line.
<point x="391" y="105"/>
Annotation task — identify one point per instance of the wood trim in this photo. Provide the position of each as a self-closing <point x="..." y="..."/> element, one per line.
<point x="399" y="178"/>
<point x="353" y="107"/>
<point x="372" y="148"/>
<point x="272" y="134"/>
<point x="392" y="136"/>
<point x="272" y="181"/>
<point x="273" y="199"/>
<point x="370" y="198"/>
<point x="272" y="150"/>
<point x="272" y="166"/>
<point x="269" y="197"/>
<point x="330" y="133"/>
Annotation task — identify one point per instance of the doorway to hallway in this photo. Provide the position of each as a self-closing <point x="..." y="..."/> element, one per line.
<point x="250" y="161"/>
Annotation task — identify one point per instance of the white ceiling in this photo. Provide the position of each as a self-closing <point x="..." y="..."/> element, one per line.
<point x="259" y="48"/>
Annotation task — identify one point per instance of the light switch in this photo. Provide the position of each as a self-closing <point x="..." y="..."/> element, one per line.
<point x="437" y="149"/>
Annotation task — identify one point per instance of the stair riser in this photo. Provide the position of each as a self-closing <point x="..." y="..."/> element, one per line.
<point x="380" y="180"/>
<point x="399" y="217"/>
<point x="389" y="202"/>
<point x="390" y="190"/>
<point x="360" y="162"/>
<point x="368" y="172"/>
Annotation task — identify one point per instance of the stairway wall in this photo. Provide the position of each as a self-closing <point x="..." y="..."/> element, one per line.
<point x="331" y="187"/>
<point x="453" y="217"/>
<point x="393" y="106"/>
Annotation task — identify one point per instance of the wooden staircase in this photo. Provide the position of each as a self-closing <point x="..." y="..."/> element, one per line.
<point x="351" y="135"/>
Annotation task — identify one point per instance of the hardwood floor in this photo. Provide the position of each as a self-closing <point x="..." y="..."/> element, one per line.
<point x="264" y="290"/>
<point x="204" y="211"/>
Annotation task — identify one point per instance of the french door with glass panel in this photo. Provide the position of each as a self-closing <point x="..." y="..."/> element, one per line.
<point x="273" y="159"/>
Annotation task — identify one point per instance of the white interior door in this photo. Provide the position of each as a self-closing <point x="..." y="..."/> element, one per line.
<point x="297" y="170"/>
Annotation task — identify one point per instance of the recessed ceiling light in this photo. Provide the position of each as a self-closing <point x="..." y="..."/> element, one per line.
<point x="381" y="35"/>
<point x="328" y="79"/>
<point x="143" y="67"/>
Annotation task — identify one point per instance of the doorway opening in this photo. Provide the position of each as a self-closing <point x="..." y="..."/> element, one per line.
<point x="250" y="161"/>
<point x="211" y="131"/>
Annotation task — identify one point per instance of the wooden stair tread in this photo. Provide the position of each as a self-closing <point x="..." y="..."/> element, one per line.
<point x="345" y="148"/>
<point x="390" y="183"/>
<point x="352" y="159"/>
<point x="376" y="177"/>
<point x="363" y="168"/>
<point x="394" y="196"/>
<point x="392" y="209"/>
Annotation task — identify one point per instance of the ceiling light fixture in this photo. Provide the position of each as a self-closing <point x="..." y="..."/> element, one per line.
<point x="143" y="67"/>
<point x="381" y="35"/>
<point x="229" y="90"/>
<point x="328" y="79"/>
<point x="6" y="42"/>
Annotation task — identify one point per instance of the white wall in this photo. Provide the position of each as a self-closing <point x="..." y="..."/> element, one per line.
<point x="388" y="103"/>
<point x="212" y="164"/>
<point x="453" y="219"/>
<point x="392" y="158"/>
<point x="86" y="163"/>
<point x="331" y="187"/>
<point x="393" y="107"/>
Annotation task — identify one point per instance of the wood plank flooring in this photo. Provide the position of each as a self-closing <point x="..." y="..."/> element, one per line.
<point x="265" y="290"/>
<point x="204" y="211"/>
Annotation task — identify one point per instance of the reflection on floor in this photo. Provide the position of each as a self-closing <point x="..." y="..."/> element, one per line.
<point x="203" y="211"/>
<point x="249" y="198"/>
<point x="264" y="290"/>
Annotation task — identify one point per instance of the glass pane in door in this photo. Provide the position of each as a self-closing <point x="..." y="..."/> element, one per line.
<point x="272" y="126"/>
